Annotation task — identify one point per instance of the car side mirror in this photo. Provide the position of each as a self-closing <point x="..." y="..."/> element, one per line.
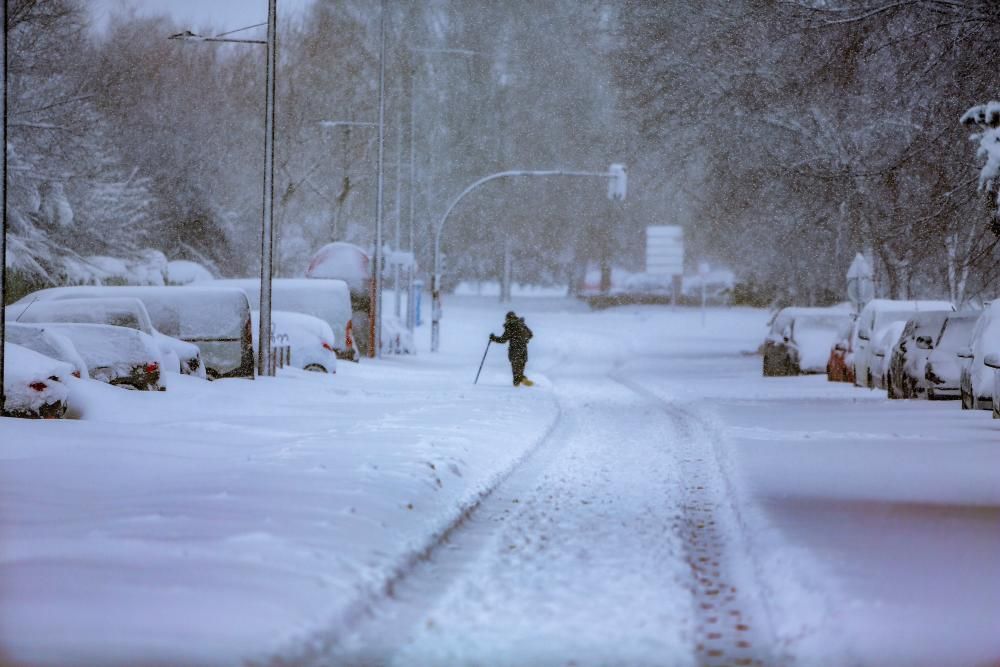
<point x="965" y="353"/>
<point x="924" y="342"/>
<point x="992" y="360"/>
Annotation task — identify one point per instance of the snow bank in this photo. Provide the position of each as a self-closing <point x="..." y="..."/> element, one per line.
<point x="185" y="272"/>
<point x="219" y="522"/>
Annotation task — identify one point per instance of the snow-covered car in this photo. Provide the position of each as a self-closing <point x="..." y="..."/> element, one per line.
<point x="327" y="299"/>
<point x="840" y="364"/>
<point x="33" y="384"/>
<point x="49" y="343"/>
<point x="310" y="338"/>
<point x="943" y="370"/>
<point x="350" y="263"/>
<point x="885" y="339"/>
<point x="873" y="318"/>
<point x="129" y="312"/>
<point x="976" y="378"/>
<point x="781" y="354"/>
<point x="216" y="319"/>
<point x="810" y="337"/>
<point x="117" y="355"/>
<point x="905" y="371"/>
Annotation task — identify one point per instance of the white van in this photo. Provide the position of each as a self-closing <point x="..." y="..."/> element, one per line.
<point x="326" y="298"/>
<point x="874" y="317"/>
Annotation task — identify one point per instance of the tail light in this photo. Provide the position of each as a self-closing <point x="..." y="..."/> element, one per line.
<point x="38" y="386"/>
<point x="327" y="346"/>
<point x="349" y="335"/>
<point x="151" y="367"/>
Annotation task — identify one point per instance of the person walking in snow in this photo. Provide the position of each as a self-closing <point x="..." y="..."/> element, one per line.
<point x="516" y="334"/>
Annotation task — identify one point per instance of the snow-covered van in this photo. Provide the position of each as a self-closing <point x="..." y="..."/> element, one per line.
<point x="215" y="318"/>
<point x="873" y="318"/>
<point x="327" y="299"/>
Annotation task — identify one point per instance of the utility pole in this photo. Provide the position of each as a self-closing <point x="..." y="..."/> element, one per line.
<point x="398" y="243"/>
<point x="3" y="222"/>
<point x="375" y="324"/>
<point x="411" y="302"/>
<point x="264" y="365"/>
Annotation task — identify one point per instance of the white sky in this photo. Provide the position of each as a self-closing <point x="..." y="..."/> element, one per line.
<point x="200" y="14"/>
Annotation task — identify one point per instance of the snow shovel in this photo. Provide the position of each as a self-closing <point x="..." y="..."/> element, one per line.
<point x="483" y="361"/>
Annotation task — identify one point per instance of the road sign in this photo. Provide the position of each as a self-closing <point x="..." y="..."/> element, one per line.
<point x="860" y="282"/>
<point x="665" y="250"/>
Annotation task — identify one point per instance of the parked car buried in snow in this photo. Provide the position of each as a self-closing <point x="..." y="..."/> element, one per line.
<point x="128" y="312"/>
<point x="943" y="369"/>
<point x="873" y="318"/>
<point x="327" y="299"/>
<point x="311" y="340"/>
<point x="117" y="355"/>
<point x="787" y="347"/>
<point x="885" y="339"/>
<point x="811" y="335"/>
<point x="905" y="370"/>
<point x="33" y="384"/>
<point x="214" y="318"/>
<point x="840" y="364"/>
<point x="976" y="378"/>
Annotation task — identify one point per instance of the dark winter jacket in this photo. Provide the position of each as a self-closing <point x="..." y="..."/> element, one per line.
<point x="517" y="334"/>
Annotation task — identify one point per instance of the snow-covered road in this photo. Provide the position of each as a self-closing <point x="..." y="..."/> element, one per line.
<point x="652" y="501"/>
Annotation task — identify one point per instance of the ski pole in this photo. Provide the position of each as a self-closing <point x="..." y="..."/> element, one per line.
<point x="482" y="362"/>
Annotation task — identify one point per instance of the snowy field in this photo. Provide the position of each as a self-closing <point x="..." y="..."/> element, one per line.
<point x="652" y="501"/>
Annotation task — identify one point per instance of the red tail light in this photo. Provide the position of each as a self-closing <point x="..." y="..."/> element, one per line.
<point x="38" y="386"/>
<point x="327" y="346"/>
<point x="349" y="335"/>
<point x="152" y="367"/>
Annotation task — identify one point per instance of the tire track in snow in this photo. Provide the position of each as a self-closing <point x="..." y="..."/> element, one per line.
<point x="325" y="647"/>
<point x="573" y="559"/>
<point x="733" y="628"/>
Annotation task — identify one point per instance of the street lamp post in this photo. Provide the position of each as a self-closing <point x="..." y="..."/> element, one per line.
<point x="264" y="365"/>
<point x="617" y="181"/>
<point x="411" y="315"/>
<point x="3" y="197"/>
<point x="375" y="331"/>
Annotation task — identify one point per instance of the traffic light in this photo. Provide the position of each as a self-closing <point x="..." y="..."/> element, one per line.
<point x="617" y="182"/>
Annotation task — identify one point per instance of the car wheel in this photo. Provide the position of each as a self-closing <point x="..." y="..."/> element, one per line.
<point x="315" y="368"/>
